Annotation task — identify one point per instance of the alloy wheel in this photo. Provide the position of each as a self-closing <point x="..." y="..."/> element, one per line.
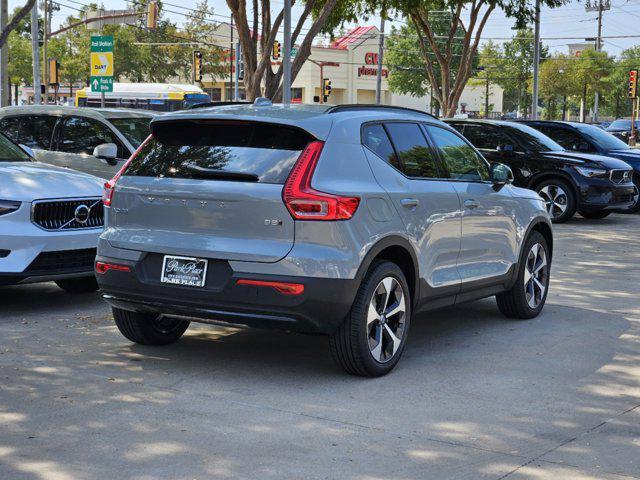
<point x="166" y="325"/>
<point x="555" y="199"/>
<point x="536" y="276"/>
<point x="386" y="320"/>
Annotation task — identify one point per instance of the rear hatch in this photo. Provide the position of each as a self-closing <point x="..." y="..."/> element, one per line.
<point x="208" y="188"/>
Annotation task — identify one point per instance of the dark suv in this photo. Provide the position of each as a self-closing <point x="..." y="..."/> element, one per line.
<point x="584" y="138"/>
<point x="340" y="220"/>
<point x="593" y="185"/>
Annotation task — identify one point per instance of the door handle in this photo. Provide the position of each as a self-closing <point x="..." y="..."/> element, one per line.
<point x="471" y="204"/>
<point x="409" y="202"/>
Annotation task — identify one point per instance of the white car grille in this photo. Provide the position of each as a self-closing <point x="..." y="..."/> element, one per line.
<point x="68" y="214"/>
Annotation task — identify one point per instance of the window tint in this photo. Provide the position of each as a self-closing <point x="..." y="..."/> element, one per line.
<point x="37" y="131"/>
<point x="460" y="158"/>
<point x="82" y="135"/>
<point x="415" y="155"/>
<point x="195" y="149"/>
<point x="567" y="138"/>
<point x="10" y="126"/>
<point x="375" y="138"/>
<point x="10" y="152"/>
<point x="486" y="137"/>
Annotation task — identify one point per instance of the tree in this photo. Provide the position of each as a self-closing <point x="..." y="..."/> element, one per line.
<point x="556" y="83"/>
<point x="449" y="82"/>
<point x="19" y="15"/>
<point x="258" y="37"/>
<point x="589" y="72"/>
<point x="407" y="71"/>
<point x="489" y="71"/>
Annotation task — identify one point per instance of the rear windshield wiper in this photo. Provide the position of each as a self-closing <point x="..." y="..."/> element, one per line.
<point x="215" y="173"/>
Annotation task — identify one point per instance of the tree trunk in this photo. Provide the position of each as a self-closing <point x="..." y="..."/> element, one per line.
<point x="583" y="104"/>
<point x="564" y="108"/>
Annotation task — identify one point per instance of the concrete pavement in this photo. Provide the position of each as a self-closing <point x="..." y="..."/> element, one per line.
<point x="475" y="396"/>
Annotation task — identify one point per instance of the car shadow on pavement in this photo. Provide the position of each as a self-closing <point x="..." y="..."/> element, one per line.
<point x="474" y="396"/>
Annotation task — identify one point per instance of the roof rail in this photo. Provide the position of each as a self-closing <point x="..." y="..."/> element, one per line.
<point x="367" y="106"/>
<point x="217" y="104"/>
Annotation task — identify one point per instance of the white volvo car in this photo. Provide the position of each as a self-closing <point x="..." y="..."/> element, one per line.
<point x="50" y="219"/>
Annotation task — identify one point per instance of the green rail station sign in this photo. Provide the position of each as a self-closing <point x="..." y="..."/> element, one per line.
<point x="101" y="63"/>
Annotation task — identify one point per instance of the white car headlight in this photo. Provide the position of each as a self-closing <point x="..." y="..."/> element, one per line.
<point x="592" y="172"/>
<point x="8" y="206"/>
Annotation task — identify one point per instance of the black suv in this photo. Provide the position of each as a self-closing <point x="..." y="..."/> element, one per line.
<point x="580" y="137"/>
<point x="593" y="185"/>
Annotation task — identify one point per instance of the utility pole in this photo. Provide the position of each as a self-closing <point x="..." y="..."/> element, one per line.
<point x="236" y="91"/>
<point x="536" y="63"/>
<point x="35" y="37"/>
<point x="380" y="54"/>
<point x="486" y="96"/>
<point x="286" y="61"/>
<point x="45" y="60"/>
<point x="597" y="6"/>
<point x="231" y="55"/>
<point x="4" y="57"/>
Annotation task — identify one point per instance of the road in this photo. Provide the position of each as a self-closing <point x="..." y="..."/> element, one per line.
<point x="475" y="396"/>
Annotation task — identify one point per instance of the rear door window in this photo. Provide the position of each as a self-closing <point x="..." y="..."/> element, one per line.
<point x="37" y="131"/>
<point x="220" y="150"/>
<point x="375" y="138"/>
<point x="416" y="157"/>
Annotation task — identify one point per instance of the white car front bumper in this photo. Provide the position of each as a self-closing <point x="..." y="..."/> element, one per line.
<point x="29" y="253"/>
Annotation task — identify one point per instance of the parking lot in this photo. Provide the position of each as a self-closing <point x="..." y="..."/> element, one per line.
<point x="476" y="396"/>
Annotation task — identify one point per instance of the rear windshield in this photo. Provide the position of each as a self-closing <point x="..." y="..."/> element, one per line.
<point x="189" y="149"/>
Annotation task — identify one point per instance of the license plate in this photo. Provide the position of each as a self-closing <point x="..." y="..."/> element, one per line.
<point x="188" y="271"/>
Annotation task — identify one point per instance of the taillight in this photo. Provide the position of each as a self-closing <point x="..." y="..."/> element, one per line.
<point x="104" y="267"/>
<point x="109" y="187"/>
<point x="306" y="203"/>
<point x="283" y="287"/>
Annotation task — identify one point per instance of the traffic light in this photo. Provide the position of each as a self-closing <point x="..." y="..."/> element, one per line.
<point x="633" y="83"/>
<point x="54" y="72"/>
<point x="326" y="87"/>
<point x="276" y="50"/>
<point x="152" y="15"/>
<point x="197" y="66"/>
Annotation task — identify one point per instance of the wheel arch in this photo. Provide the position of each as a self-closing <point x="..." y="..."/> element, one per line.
<point x="398" y="250"/>
<point x="541" y="177"/>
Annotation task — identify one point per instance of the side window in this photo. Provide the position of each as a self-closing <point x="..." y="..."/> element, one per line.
<point x="416" y="157"/>
<point x="461" y="159"/>
<point x="10" y="126"/>
<point x="375" y="139"/>
<point x="37" y="131"/>
<point x="486" y="137"/>
<point x="82" y="135"/>
<point x="567" y="138"/>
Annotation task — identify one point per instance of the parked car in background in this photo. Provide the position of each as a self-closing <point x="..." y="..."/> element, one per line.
<point x="50" y="219"/>
<point x="593" y="185"/>
<point x="621" y="128"/>
<point x="338" y="220"/>
<point x="89" y="140"/>
<point x="581" y="137"/>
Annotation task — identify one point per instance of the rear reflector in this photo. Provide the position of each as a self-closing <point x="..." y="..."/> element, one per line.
<point x="103" y="267"/>
<point x="306" y="203"/>
<point x="282" y="287"/>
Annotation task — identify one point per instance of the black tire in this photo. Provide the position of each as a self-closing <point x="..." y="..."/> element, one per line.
<point x="513" y="303"/>
<point x="350" y="344"/>
<point x="571" y="203"/>
<point x="149" y="329"/>
<point x="78" y="285"/>
<point x="635" y="208"/>
<point x="596" y="215"/>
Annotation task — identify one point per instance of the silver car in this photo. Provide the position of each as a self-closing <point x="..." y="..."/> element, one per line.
<point x="95" y="141"/>
<point x="343" y="220"/>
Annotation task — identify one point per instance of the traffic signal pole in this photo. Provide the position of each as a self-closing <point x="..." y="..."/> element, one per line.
<point x="536" y="63"/>
<point x="286" y="61"/>
<point x="4" y="57"/>
<point x="35" y="37"/>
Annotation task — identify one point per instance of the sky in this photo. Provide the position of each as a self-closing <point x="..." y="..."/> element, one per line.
<point x="570" y="20"/>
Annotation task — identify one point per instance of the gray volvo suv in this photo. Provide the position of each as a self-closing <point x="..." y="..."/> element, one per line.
<point x="339" y="220"/>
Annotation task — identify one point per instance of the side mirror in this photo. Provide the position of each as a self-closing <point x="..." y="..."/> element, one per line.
<point x="501" y="174"/>
<point x="108" y="152"/>
<point x="28" y="150"/>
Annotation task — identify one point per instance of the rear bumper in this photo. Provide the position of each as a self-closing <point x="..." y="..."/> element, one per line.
<point x="321" y="308"/>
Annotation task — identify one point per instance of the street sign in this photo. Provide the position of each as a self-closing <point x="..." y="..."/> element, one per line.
<point x="101" y="63"/>
<point x="294" y="52"/>
<point x="101" y="84"/>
